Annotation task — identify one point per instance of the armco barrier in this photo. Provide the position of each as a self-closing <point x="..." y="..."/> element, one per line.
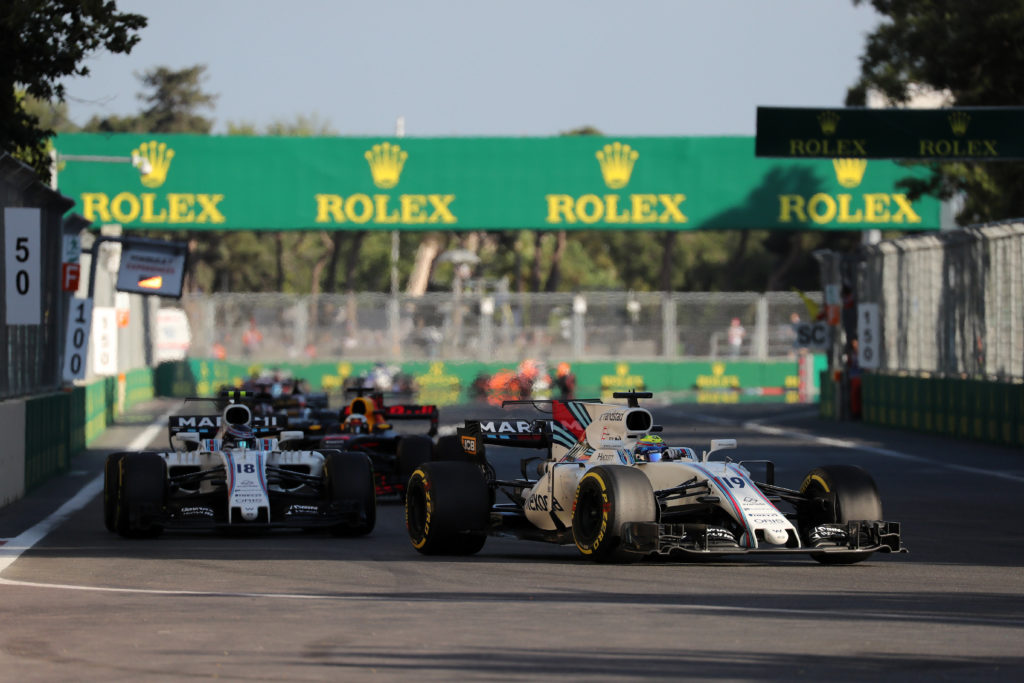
<point x="963" y="408"/>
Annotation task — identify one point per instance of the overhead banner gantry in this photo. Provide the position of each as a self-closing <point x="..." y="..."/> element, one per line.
<point x="974" y="133"/>
<point x="574" y="182"/>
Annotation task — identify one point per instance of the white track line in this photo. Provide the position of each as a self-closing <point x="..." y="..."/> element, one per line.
<point x="757" y="426"/>
<point x="12" y="550"/>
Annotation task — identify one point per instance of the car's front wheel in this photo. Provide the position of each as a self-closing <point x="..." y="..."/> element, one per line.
<point x="606" y="498"/>
<point x="140" y="494"/>
<point x="837" y="494"/>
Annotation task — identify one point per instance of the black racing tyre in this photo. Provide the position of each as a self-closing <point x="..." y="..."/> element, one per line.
<point x="111" y="489"/>
<point x="412" y="451"/>
<point x="449" y="447"/>
<point x="607" y="497"/>
<point x="447" y="508"/>
<point x="349" y="478"/>
<point x="839" y="494"/>
<point x="141" y="492"/>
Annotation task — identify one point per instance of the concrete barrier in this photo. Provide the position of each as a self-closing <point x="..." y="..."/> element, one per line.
<point x="12" y="455"/>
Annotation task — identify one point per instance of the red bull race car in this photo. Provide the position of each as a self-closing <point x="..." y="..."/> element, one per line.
<point x="367" y="426"/>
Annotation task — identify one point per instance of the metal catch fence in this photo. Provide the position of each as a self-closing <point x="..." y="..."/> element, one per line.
<point x="495" y="326"/>
<point x="949" y="304"/>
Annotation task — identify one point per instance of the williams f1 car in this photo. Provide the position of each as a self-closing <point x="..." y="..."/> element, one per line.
<point x="605" y="487"/>
<point x="231" y="470"/>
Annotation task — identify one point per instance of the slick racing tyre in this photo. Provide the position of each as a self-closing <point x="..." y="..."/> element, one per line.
<point x="111" y="489"/>
<point x="449" y="447"/>
<point x="141" y="491"/>
<point x="349" y="478"/>
<point x="607" y="497"/>
<point x="447" y="508"/>
<point x="838" y="494"/>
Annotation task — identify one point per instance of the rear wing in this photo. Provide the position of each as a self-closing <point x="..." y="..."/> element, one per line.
<point x="206" y="426"/>
<point x="477" y="434"/>
<point x="412" y="412"/>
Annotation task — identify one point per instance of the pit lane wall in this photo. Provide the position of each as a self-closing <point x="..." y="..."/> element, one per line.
<point x="444" y="383"/>
<point x="43" y="432"/>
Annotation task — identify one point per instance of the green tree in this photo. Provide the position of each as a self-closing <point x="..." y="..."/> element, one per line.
<point x="41" y="43"/>
<point x="973" y="52"/>
<point x="173" y="100"/>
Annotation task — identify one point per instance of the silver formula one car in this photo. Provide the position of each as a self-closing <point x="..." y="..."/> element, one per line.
<point x="231" y="470"/>
<point x="607" y="486"/>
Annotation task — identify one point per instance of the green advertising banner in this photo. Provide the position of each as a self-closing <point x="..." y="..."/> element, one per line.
<point x="582" y="182"/>
<point x="447" y="384"/>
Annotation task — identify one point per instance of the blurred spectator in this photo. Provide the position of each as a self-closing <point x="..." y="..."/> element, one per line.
<point x="736" y="335"/>
<point x="251" y="338"/>
<point x="566" y="381"/>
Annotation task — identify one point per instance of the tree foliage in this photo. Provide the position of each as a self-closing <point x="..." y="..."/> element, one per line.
<point x="173" y="100"/>
<point x="41" y="43"/>
<point x="974" y="53"/>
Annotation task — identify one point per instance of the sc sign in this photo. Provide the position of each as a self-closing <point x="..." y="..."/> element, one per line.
<point x="812" y="336"/>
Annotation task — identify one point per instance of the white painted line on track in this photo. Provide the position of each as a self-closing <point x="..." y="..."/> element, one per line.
<point x="12" y="550"/>
<point x="553" y="598"/>
<point x="758" y="426"/>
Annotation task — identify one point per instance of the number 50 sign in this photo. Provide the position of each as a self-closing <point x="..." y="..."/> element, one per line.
<point x="22" y="234"/>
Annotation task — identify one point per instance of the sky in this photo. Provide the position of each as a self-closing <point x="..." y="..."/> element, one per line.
<point x="491" y="67"/>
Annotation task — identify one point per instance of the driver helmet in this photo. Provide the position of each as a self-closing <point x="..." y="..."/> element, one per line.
<point x="240" y="436"/>
<point x="650" y="448"/>
<point x="356" y="424"/>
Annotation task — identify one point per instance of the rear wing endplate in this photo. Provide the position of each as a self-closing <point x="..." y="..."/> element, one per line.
<point x="477" y="434"/>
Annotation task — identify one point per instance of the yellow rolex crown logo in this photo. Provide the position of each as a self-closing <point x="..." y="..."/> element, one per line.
<point x="386" y="162"/>
<point x="718" y="369"/>
<point x="617" y="161"/>
<point x="828" y="120"/>
<point x="849" y="172"/>
<point x="153" y="159"/>
<point x="958" y="121"/>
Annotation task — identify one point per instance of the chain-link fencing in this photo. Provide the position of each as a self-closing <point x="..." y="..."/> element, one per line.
<point x="949" y="304"/>
<point x="474" y="325"/>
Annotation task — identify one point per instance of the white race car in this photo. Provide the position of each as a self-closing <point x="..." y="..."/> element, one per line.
<point x="230" y="470"/>
<point x="601" y="489"/>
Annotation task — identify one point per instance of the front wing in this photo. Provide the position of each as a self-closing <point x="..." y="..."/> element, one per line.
<point x="698" y="539"/>
<point x="286" y="510"/>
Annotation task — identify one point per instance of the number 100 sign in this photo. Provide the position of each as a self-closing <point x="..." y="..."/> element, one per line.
<point x="76" y="346"/>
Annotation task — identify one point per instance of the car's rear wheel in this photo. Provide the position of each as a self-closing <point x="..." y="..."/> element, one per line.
<point x="111" y="489"/>
<point x="349" y="478"/>
<point x="141" y="492"/>
<point x="447" y="508"/>
<point x="606" y="498"/>
<point x="838" y="494"/>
